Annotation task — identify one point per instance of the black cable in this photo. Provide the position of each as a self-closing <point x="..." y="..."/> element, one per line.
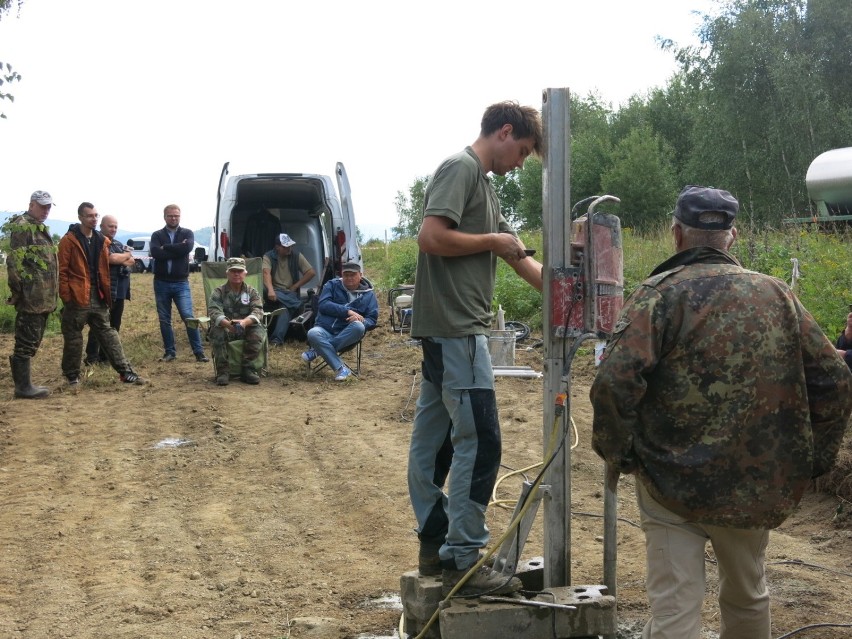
<point x="815" y="625"/>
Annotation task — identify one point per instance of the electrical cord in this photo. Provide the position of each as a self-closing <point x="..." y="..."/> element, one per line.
<point x="815" y="625"/>
<point x="410" y="395"/>
<point x="510" y="503"/>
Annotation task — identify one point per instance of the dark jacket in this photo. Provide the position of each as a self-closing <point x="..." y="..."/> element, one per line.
<point x="334" y="306"/>
<point x="164" y="250"/>
<point x="720" y="392"/>
<point x="74" y="275"/>
<point x="119" y="275"/>
<point x="844" y="345"/>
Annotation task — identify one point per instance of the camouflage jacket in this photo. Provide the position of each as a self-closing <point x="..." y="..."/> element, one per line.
<point x="225" y="304"/>
<point x="32" y="266"/>
<point x="720" y="392"/>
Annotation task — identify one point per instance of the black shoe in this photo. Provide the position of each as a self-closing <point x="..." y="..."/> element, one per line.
<point x="132" y="378"/>
<point x="223" y="379"/>
<point x="250" y="377"/>
<point x="168" y="357"/>
<point x="201" y="357"/>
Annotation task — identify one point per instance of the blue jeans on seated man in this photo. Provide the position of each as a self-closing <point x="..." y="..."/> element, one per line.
<point x="293" y="303"/>
<point x="328" y="346"/>
<point x="178" y="292"/>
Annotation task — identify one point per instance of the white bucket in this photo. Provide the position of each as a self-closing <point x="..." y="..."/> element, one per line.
<point x="501" y="345"/>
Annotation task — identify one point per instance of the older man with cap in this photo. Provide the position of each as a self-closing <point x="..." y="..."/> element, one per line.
<point x="723" y="397"/>
<point x="32" y="271"/>
<point x="347" y="308"/>
<point x="285" y="271"/>
<point x="236" y="312"/>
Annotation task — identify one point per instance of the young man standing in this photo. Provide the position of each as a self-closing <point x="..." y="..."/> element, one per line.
<point x="32" y="272"/>
<point x="170" y="248"/>
<point x="84" y="287"/>
<point x="462" y="235"/>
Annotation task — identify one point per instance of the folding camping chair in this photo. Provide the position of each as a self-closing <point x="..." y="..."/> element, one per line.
<point x="319" y="363"/>
<point x="214" y="274"/>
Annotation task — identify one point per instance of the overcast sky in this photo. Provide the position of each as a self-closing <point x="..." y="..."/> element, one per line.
<point x="135" y="105"/>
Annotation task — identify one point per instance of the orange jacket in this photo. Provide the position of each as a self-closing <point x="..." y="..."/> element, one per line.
<point x="74" y="280"/>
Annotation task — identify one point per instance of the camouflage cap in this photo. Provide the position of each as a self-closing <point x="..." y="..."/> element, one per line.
<point x="694" y="201"/>
<point x="236" y="264"/>
<point x="41" y="197"/>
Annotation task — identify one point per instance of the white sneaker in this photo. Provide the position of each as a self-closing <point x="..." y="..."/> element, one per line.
<point x="343" y="374"/>
<point x="309" y="355"/>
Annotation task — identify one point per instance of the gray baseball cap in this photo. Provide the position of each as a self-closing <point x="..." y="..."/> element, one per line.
<point x="41" y="197"/>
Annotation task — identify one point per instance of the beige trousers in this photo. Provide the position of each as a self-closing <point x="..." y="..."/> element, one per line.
<point x="676" y="578"/>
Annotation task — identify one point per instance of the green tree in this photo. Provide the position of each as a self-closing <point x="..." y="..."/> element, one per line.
<point x="591" y="146"/>
<point x="508" y="191"/>
<point x="642" y="177"/>
<point x="7" y="74"/>
<point x="409" y="209"/>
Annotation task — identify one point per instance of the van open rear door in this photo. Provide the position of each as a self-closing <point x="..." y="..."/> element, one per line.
<point x="351" y="249"/>
<point x="219" y="239"/>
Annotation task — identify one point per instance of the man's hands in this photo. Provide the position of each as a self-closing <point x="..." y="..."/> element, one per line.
<point x="236" y="327"/>
<point x="508" y="247"/>
<point x="352" y="316"/>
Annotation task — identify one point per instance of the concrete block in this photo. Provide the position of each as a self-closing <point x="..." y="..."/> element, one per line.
<point x="420" y="598"/>
<point x="421" y="595"/>
<point x="595" y="614"/>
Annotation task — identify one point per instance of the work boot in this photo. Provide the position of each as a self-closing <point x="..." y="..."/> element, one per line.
<point x="223" y="379"/>
<point x="21" y="376"/>
<point x="428" y="561"/>
<point x="484" y="581"/>
<point x="249" y="376"/>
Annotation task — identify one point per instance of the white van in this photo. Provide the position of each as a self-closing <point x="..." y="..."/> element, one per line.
<point x="253" y="208"/>
<point x="141" y="253"/>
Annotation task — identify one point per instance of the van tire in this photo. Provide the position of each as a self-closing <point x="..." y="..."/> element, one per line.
<point x="139" y="267"/>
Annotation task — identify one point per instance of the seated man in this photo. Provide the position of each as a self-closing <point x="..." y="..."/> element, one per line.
<point x="347" y="308"/>
<point x="285" y="270"/>
<point x="236" y="312"/>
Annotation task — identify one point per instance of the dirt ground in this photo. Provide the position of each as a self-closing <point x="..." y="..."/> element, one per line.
<point x="185" y="510"/>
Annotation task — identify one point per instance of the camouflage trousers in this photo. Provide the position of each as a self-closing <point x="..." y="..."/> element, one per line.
<point x="252" y="345"/>
<point x="29" y="331"/>
<point x="96" y="315"/>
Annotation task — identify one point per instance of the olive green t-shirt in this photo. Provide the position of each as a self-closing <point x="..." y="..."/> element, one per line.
<point x="282" y="279"/>
<point x="452" y="295"/>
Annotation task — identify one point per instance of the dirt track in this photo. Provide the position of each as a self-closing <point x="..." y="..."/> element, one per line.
<point x="285" y="511"/>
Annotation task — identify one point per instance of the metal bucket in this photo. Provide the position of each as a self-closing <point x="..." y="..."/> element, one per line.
<point x="501" y="346"/>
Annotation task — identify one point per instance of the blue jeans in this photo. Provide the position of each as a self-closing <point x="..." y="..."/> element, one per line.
<point x="328" y="345"/>
<point x="292" y="302"/>
<point x="178" y="292"/>
<point x="455" y="423"/>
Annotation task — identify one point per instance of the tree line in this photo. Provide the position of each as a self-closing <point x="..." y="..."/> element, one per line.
<point x="766" y="89"/>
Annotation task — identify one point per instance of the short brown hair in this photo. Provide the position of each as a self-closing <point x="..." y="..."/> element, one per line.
<point x="525" y="121"/>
